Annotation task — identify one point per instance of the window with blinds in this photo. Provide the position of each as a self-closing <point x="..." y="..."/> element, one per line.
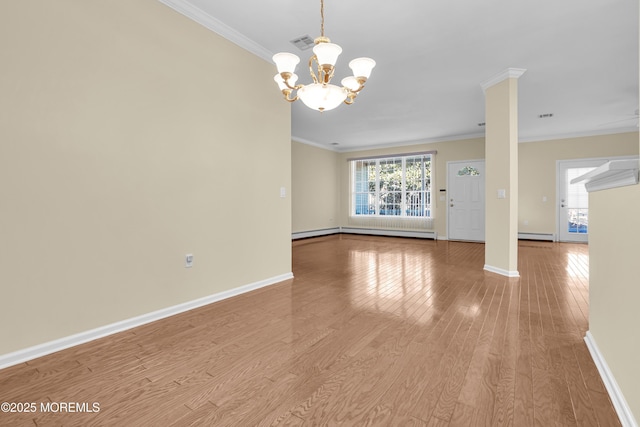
<point x="392" y="186"/>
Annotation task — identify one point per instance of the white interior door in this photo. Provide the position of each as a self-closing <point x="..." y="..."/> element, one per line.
<point x="573" y="200"/>
<point x="465" y="200"/>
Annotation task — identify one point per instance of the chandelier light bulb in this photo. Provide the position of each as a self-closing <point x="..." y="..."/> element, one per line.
<point x="327" y="53"/>
<point x="362" y="67"/>
<point x="350" y="83"/>
<point x="286" y="62"/>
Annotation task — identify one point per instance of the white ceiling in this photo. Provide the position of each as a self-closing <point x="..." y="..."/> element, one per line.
<point x="581" y="58"/>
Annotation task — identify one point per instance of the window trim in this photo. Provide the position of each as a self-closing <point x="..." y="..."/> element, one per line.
<point x="429" y="209"/>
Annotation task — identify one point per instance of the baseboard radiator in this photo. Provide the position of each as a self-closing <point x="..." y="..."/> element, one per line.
<point x="549" y="237"/>
<point x="368" y="231"/>
<point x="315" y="233"/>
<point x="378" y="226"/>
<point x="395" y="232"/>
<point x="390" y="232"/>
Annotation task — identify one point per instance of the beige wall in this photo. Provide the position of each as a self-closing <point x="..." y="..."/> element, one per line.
<point x="469" y="149"/>
<point x="314" y="188"/>
<point x="124" y="145"/>
<point x="614" y="284"/>
<point x="537" y="170"/>
<point x="537" y="175"/>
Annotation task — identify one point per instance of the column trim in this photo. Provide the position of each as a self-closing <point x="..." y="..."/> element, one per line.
<point x="509" y="73"/>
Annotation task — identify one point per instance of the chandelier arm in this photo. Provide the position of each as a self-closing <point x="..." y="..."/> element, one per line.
<point x="357" y="90"/>
<point x="361" y="81"/>
<point x="313" y="75"/>
<point x="296" y="87"/>
<point x="351" y="96"/>
<point x="285" y="79"/>
<point x="287" y="96"/>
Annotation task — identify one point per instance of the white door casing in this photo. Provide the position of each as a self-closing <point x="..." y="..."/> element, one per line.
<point x="466" y="200"/>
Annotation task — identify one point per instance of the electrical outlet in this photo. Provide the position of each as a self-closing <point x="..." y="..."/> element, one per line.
<point x="188" y="260"/>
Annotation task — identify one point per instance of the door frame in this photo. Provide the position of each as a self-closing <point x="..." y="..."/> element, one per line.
<point x="448" y="188"/>
<point x="578" y="163"/>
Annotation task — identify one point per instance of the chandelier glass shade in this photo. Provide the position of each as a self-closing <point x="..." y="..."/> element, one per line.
<point x="321" y="95"/>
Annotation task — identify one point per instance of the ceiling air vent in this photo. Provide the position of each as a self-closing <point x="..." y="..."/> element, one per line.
<point x="303" y="43"/>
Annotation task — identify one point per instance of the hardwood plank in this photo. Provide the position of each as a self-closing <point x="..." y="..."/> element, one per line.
<point x="524" y="408"/>
<point x="465" y="415"/>
<point x="472" y="387"/>
<point x="503" y="411"/>
<point x="600" y="401"/>
<point x="559" y="387"/>
<point x="371" y="331"/>
<point x="580" y="399"/>
<point x="451" y="391"/>
<point x="486" y="398"/>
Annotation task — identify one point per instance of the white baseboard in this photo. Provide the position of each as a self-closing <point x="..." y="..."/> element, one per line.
<point x="619" y="403"/>
<point x="501" y="271"/>
<point x="390" y="232"/>
<point x="315" y="233"/>
<point x="548" y="237"/>
<point x="442" y="238"/>
<point x="40" y="350"/>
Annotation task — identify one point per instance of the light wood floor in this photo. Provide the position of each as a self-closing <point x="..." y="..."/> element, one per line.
<point x="372" y="331"/>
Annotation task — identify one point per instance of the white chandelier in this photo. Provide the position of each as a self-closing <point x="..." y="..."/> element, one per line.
<point x="321" y="95"/>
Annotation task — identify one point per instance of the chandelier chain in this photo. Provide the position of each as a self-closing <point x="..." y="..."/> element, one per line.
<point x="322" y="18"/>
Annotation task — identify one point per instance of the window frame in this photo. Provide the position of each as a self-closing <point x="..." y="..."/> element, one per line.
<point x="427" y="162"/>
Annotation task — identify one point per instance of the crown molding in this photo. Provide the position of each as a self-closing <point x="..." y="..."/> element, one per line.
<point x="509" y="73"/>
<point x="528" y="139"/>
<point x="582" y="134"/>
<point x="198" y="15"/>
<point x="412" y="142"/>
<point x="314" y="144"/>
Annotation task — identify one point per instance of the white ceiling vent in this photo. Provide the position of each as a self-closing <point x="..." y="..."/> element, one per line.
<point x="303" y="42"/>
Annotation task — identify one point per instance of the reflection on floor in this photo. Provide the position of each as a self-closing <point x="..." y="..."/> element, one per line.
<point x="372" y="331"/>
